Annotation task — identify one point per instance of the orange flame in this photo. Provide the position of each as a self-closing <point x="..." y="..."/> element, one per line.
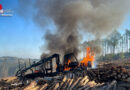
<point x="67" y="68"/>
<point x="89" y="57"/>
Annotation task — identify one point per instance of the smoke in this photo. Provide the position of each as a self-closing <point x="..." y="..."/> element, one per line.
<point x="98" y="17"/>
<point x="94" y="45"/>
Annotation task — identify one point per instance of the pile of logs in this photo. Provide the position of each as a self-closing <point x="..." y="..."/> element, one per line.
<point x="108" y="74"/>
<point x="101" y="75"/>
<point x="68" y="84"/>
<point x="107" y="78"/>
<point x="80" y="83"/>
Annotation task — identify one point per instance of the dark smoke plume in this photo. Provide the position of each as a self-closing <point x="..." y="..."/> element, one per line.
<point x="94" y="45"/>
<point x="98" y="17"/>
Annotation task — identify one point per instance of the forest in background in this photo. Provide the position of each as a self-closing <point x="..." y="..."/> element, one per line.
<point x="115" y="47"/>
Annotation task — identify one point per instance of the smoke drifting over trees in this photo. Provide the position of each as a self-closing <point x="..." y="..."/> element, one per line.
<point x="95" y="46"/>
<point x="98" y="17"/>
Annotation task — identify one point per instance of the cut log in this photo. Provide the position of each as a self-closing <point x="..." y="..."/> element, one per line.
<point x="82" y="88"/>
<point x="67" y="84"/>
<point x="74" y="84"/>
<point x="70" y="83"/>
<point x="44" y="86"/>
<point x="85" y="78"/>
<point x="63" y="80"/>
<point x="85" y="82"/>
<point x="56" y="86"/>
<point x="112" y="84"/>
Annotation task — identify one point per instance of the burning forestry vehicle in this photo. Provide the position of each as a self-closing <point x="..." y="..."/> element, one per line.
<point x="51" y="66"/>
<point x="50" y="74"/>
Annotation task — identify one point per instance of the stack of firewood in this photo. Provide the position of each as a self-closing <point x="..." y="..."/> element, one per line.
<point x="108" y="74"/>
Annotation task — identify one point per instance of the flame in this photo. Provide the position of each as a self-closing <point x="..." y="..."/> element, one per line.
<point x="89" y="57"/>
<point x="67" y="68"/>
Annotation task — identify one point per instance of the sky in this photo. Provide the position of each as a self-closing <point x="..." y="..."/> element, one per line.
<point x="23" y="38"/>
